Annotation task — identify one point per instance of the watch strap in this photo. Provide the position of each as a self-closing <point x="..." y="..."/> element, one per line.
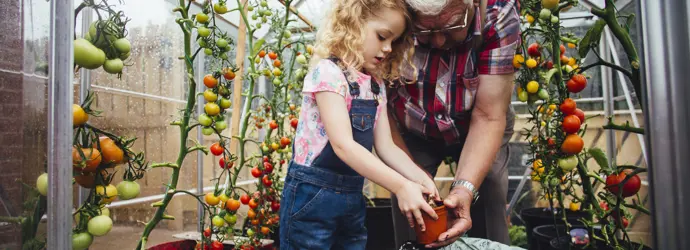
<point x="469" y="186"/>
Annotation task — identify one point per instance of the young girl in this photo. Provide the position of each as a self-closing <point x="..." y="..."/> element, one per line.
<point x="343" y="116"/>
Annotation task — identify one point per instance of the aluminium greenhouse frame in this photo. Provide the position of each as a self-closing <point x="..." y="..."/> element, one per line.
<point x="667" y="118"/>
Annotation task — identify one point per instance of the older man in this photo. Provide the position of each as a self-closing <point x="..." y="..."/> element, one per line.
<point x="459" y="107"/>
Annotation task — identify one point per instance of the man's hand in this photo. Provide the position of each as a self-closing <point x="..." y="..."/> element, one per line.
<point x="458" y="203"/>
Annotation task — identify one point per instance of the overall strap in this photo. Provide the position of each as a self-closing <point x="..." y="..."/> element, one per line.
<point x="352" y="81"/>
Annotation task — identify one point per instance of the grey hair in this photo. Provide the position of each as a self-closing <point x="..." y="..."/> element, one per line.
<point x="430" y="7"/>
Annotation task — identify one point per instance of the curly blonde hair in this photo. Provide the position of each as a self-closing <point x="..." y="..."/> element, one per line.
<point x="343" y="34"/>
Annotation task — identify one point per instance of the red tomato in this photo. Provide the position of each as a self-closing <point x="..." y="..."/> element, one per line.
<point x="207" y="232"/>
<point x="282" y="162"/>
<point x="273" y="125"/>
<point x="244" y="199"/>
<point x="272" y="55"/>
<point x="572" y="144"/>
<point x="268" y="167"/>
<point x="216" y="245"/>
<point x="216" y="149"/>
<point x="232" y="205"/>
<point x="267" y="181"/>
<point x="275" y="206"/>
<point x="604" y="206"/>
<point x="630" y="188"/>
<point x="549" y="65"/>
<point x="294" y="122"/>
<point x="562" y="49"/>
<point x="285" y="141"/>
<point x="222" y="163"/>
<point x="571" y="124"/>
<point x="253" y="204"/>
<point x="533" y="50"/>
<point x="580" y="114"/>
<point x="577" y="83"/>
<point x="256" y="172"/>
<point x="568" y="106"/>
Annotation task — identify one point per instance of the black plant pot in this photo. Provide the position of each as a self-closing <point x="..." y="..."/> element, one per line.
<point x="547" y="238"/>
<point x="536" y="216"/>
<point x="379" y="223"/>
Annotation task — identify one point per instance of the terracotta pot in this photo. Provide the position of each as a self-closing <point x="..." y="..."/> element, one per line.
<point x="434" y="228"/>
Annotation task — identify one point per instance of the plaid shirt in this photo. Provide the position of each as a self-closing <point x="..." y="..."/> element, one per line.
<point x="436" y="106"/>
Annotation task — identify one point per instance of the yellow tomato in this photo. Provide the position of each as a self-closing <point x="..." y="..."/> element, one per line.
<point x="532" y="87"/>
<point x="211" y="199"/>
<point x="518" y="60"/>
<point x="574" y="206"/>
<point x="530" y="18"/>
<point x="549" y="4"/>
<point x="79" y="116"/>
<point x="571" y="61"/>
<point x="209" y="96"/>
<point x="212" y="108"/>
<point x="535" y="177"/>
<point x="107" y="193"/>
<point x="572" y="45"/>
<point x="531" y="63"/>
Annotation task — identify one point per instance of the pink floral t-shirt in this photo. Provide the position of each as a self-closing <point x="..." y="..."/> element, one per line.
<point x="311" y="138"/>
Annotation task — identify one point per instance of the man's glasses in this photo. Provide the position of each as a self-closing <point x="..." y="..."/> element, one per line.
<point x="452" y="28"/>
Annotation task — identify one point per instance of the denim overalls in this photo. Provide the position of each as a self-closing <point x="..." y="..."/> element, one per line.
<point x="322" y="205"/>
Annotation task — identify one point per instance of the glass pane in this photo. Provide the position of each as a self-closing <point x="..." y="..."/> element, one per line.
<point x="23" y="117"/>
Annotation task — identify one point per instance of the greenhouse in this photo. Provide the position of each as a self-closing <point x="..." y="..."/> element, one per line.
<point x="350" y="124"/>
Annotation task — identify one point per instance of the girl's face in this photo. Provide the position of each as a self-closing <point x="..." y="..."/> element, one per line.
<point x="380" y="32"/>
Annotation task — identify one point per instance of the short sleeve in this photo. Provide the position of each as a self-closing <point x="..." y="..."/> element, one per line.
<point x="501" y="37"/>
<point x="325" y="76"/>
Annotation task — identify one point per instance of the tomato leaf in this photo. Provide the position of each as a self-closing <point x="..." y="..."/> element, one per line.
<point x="599" y="157"/>
<point x="257" y="46"/>
<point x="591" y="38"/>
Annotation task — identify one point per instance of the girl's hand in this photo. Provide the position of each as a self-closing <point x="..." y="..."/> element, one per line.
<point x="411" y="201"/>
<point x="430" y="185"/>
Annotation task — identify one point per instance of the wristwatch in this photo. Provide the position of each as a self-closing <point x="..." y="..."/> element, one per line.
<point x="467" y="185"/>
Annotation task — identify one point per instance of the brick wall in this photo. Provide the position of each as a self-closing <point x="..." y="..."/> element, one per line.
<point x="11" y="135"/>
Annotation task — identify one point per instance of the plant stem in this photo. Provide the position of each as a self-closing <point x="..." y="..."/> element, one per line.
<point x="191" y="103"/>
<point x="626" y="127"/>
<point x="608" y="14"/>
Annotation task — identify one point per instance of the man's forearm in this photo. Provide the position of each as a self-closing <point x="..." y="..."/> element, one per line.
<point x="481" y="146"/>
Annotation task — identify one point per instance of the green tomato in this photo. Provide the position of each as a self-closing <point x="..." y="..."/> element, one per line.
<point x="225" y="103"/>
<point x="267" y="13"/>
<point x="87" y="36"/>
<point x="202" y="18"/>
<point x="105" y="211"/>
<point x="287" y="34"/>
<point x="81" y="241"/>
<point x="264" y="4"/>
<point x="42" y="184"/>
<point x="86" y="55"/>
<point x="224" y="56"/>
<point x="265" y="150"/>
<point x="250" y="8"/>
<point x="100" y="225"/>
<point x="221" y="43"/>
<point x="264" y="19"/>
<point x="203" y="31"/>
<point x="554" y="182"/>
<point x="218" y="221"/>
<point x="301" y="59"/>
<point x="258" y="26"/>
<point x="208" y="51"/>
<point x="221" y="125"/>
<point x="222" y="90"/>
<point x="568" y="163"/>
<point x="254" y="17"/>
<point x="220" y="9"/>
<point x="125" y="56"/>
<point x="201" y="42"/>
<point x="104" y="35"/>
<point x="545" y="14"/>
<point x="205" y="120"/>
<point x="250" y="232"/>
<point x="128" y="190"/>
<point x="276" y="81"/>
<point x="523" y="96"/>
<point x="543" y="94"/>
<point x="207" y="131"/>
<point x="554" y="19"/>
<point x="230" y="218"/>
<point x="122" y="45"/>
<point x="113" y="66"/>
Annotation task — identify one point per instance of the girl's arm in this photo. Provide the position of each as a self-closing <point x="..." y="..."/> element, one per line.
<point x="396" y="158"/>
<point x="334" y="115"/>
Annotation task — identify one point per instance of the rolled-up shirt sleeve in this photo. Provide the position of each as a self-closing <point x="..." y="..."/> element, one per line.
<point x="501" y="37"/>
